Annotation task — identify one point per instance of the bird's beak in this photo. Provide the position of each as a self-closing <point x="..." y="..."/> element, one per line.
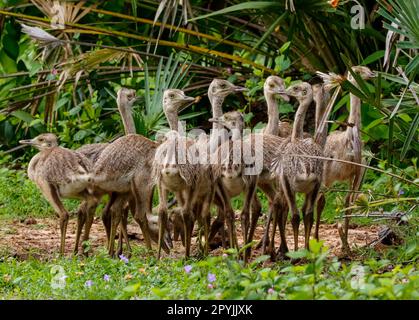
<point x="240" y="89"/>
<point x="217" y="120"/>
<point x="187" y="101"/>
<point x="27" y="142"/>
<point x="284" y="95"/>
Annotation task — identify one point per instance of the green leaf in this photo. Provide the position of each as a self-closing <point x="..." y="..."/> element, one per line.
<point x="298" y="254"/>
<point x="413" y="65"/>
<point x="23" y="115"/>
<point x="409" y="137"/>
<point x="373" y="57"/>
<point x="285" y="46"/>
<point x="256" y="5"/>
<point x="80" y="135"/>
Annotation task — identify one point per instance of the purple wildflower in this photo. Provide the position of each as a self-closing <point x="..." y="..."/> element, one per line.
<point x="54" y="72"/>
<point x="106" y="277"/>
<point x="401" y="192"/>
<point x="211" y="277"/>
<point x="124" y="258"/>
<point x="210" y="286"/>
<point x="88" y="283"/>
<point x="188" y="268"/>
<point x="271" y="290"/>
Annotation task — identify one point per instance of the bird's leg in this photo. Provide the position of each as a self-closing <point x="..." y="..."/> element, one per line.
<point x="250" y="195"/>
<point x="265" y="239"/>
<point x="200" y="218"/>
<point x="282" y="209"/>
<point x="290" y="198"/>
<point x="321" y="202"/>
<point x="50" y="192"/>
<point x="162" y="217"/>
<point x="270" y="192"/>
<point x="141" y="191"/>
<point x="308" y="211"/>
<point x="271" y="246"/>
<point x="116" y="215"/>
<point x="92" y="203"/>
<point x="187" y="216"/>
<point x="81" y="218"/>
<point x="229" y="215"/>
<point x="123" y="232"/>
<point x="344" y="231"/>
<point x="218" y="223"/>
<point x="206" y="218"/>
<point x="106" y="215"/>
<point x="255" y="214"/>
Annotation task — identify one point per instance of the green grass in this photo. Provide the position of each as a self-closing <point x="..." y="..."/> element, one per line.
<point x="222" y="277"/>
<point x="390" y="274"/>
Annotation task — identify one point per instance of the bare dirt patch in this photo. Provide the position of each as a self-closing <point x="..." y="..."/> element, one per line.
<point x="40" y="238"/>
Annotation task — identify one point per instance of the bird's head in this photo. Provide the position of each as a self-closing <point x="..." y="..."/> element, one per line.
<point x="275" y="85"/>
<point x="126" y="97"/>
<point x="43" y="141"/>
<point x="230" y="170"/>
<point x="231" y="120"/>
<point x="174" y="99"/>
<point x="223" y="88"/>
<point x="301" y="91"/>
<point x="365" y="72"/>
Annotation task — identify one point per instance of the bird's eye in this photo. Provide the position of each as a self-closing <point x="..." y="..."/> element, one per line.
<point x="304" y="92"/>
<point x="271" y="86"/>
<point x="171" y="96"/>
<point x="233" y="123"/>
<point x="41" y="140"/>
<point x="223" y="86"/>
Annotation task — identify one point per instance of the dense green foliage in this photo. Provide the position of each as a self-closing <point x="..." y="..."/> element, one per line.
<point x="68" y="87"/>
<point x="98" y="57"/>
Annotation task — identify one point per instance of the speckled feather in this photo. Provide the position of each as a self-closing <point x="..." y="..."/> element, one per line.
<point x="295" y="167"/>
<point x="92" y="151"/>
<point x="338" y="146"/>
<point x="168" y="153"/>
<point x="123" y="158"/>
<point x="59" y="166"/>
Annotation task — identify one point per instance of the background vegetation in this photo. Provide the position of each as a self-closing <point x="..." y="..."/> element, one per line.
<point x="68" y="87"/>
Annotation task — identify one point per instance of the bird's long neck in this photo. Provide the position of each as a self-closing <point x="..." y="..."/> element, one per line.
<point x="298" y="128"/>
<point x="217" y="112"/>
<point x="273" y="115"/>
<point x="320" y="106"/>
<point x="320" y="101"/>
<point x="216" y="109"/>
<point x="172" y="119"/>
<point x="355" y="106"/>
<point x="127" y="118"/>
<point x="236" y="134"/>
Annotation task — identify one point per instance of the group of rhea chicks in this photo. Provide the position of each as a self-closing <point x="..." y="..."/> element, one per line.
<point x="130" y="168"/>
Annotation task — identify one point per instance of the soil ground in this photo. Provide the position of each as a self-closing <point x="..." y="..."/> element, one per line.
<point x="40" y="238"/>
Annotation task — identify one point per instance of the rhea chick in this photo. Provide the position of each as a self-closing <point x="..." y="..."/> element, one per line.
<point x="59" y="173"/>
